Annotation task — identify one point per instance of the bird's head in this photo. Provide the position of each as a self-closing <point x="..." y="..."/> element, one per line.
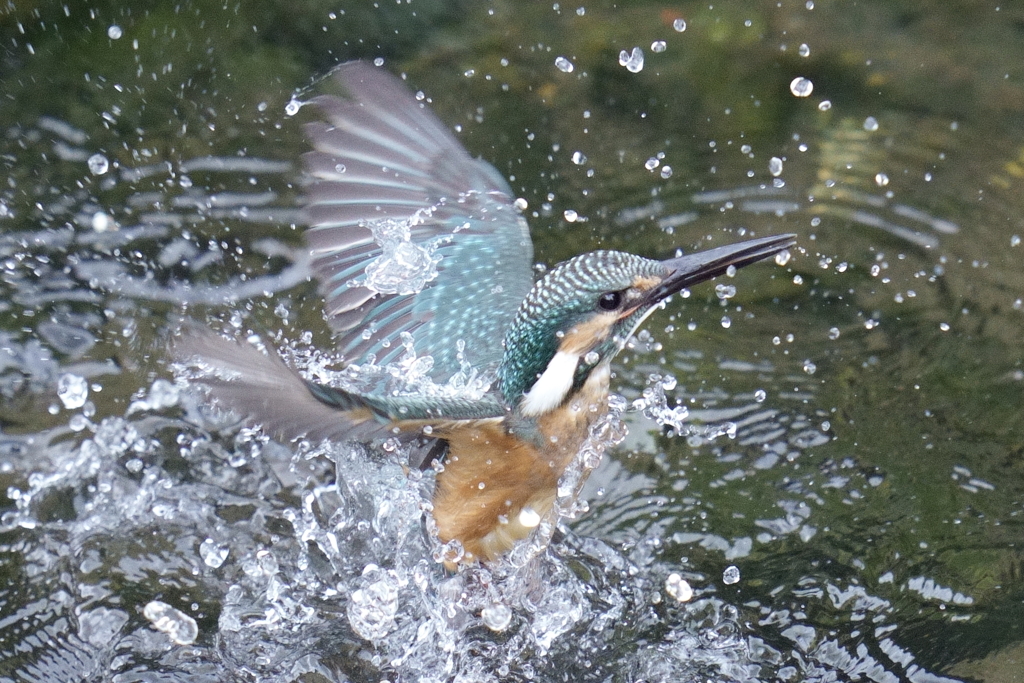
<point x="584" y="310"/>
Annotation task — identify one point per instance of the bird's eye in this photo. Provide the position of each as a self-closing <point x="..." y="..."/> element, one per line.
<point x="610" y="301"/>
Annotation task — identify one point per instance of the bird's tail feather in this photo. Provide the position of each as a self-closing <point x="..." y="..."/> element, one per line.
<point x="260" y="388"/>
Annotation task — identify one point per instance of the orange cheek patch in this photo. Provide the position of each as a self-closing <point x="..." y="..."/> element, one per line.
<point x="581" y="338"/>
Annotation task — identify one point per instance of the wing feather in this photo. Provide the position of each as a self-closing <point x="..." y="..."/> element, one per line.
<point x="381" y="155"/>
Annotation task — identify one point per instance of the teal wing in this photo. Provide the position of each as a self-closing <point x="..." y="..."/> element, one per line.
<point x="382" y="162"/>
<point x="261" y="389"/>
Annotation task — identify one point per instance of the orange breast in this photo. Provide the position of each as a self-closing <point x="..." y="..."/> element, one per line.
<point x="490" y="476"/>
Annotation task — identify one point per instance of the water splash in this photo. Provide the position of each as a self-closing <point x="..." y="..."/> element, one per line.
<point x="322" y="559"/>
<point x="801" y="87"/>
<point x="403" y="267"/>
<point x="180" y="628"/>
<point x="409" y="375"/>
<point x="564" y="65"/>
<point x="633" y="61"/>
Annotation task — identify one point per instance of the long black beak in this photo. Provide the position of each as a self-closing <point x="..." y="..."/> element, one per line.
<point x="688" y="270"/>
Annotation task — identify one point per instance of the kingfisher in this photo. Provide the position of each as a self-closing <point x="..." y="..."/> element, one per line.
<point x="417" y="245"/>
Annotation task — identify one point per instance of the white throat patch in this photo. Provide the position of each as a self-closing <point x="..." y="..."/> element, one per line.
<point x="551" y="388"/>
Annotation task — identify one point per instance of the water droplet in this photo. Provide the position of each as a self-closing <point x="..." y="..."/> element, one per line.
<point x="760" y="395"/>
<point x="775" y="166"/>
<point x="114" y="32"/>
<point x="579" y="158"/>
<point x="179" y="627"/>
<point x="1015" y="240"/>
<point x="633" y="61"/>
<point x="723" y="291"/>
<point x="528" y="517"/>
<point x="804" y="50"/>
<point x="871" y="124"/>
<point x="404" y="267"/>
<point x="101" y="222"/>
<point x="801" y="87"/>
<point x="496" y="617"/>
<point x="591" y="358"/>
<point x="521" y="204"/>
<point x="881" y="179"/>
<point x="666" y="172"/>
<point x="658" y="46"/>
<point x="944" y="327"/>
<point x="726" y="322"/>
<point x="798" y="279"/>
<point x="677" y="587"/>
<point x="731" y="575"/>
<point x="652" y="163"/>
<point x="809" y="367"/>
<point x="293" y="107"/>
<point x="782" y="258"/>
<point x="378" y="61"/>
<point x="564" y="65"/>
<point x="213" y="555"/>
<point x="679" y="25"/>
<point x="824" y="105"/>
<point x="372" y="608"/>
<point x="469" y="73"/>
<point x="72" y="390"/>
<point x="833" y="333"/>
<point x="570" y="215"/>
<point x="98" y="164"/>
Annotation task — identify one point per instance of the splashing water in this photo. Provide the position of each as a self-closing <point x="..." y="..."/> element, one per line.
<point x="72" y="390"/>
<point x="409" y="375"/>
<point x="564" y="65"/>
<point x="180" y="628"/>
<point x="801" y="87"/>
<point x="403" y="267"/>
<point x="372" y="607"/>
<point x="633" y="61"/>
<point x="323" y="559"/>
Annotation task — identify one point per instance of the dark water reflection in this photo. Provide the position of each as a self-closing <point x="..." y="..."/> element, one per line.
<point x="868" y="478"/>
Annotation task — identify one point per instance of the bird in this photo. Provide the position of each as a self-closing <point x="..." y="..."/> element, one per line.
<point x="418" y="246"/>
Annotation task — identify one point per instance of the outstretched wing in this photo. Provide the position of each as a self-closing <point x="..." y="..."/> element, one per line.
<point x="409" y="234"/>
